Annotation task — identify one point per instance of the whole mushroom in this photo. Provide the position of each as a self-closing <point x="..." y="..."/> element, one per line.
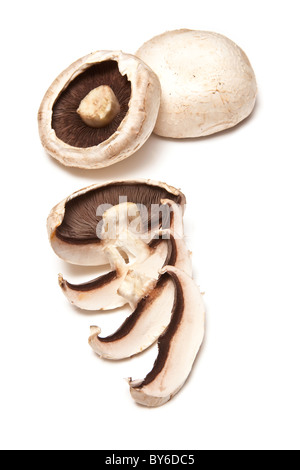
<point x="207" y="81"/>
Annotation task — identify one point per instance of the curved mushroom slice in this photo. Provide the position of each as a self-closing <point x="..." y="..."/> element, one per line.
<point x="99" y="294"/>
<point x="100" y="110"/>
<point x="152" y="315"/>
<point x="178" y="346"/>
<point x="73" y="224"/>
<point x="141" y="329"/>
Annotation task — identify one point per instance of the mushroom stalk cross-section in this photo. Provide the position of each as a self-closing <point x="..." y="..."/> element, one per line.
<point x="99" y="107"/>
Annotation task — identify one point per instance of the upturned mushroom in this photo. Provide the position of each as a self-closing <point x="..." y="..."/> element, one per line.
<point x="100" y="110"/>
<point x="207" y="81"/>
<point x="75" y="223"/>
<point x="178" y="346"/>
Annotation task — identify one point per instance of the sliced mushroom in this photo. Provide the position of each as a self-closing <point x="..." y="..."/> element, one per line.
<point x="152" y="315"/>
<point x="73" y="224"/>
<point x="178" y="346"/>
<point x="100" y="110"/>
<point x="207" y="81"/>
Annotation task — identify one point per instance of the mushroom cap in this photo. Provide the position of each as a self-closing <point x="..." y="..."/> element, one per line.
<point x="65" y="218"/>
<point x="134" y="129"/>
<point x="207" y="82"/>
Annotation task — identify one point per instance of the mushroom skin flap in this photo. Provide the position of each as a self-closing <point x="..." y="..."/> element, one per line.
<point x="178" y="346"/>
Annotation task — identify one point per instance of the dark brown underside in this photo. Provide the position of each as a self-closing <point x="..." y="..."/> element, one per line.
<point x="95" y="284"/>
<point x="80" y="221"/>
<point x="165" y="339"/>
<point x="68" y="125"/>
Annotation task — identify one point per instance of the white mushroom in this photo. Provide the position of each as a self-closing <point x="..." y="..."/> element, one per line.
<point x="178" y="346"/>
<point x="207" y="81"/>
<point x="100" y="110"/>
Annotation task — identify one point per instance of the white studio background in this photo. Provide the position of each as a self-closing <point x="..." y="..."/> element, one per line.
<point x="242" y="224"/>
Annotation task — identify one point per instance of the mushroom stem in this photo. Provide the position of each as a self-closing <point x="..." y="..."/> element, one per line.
<point x="99" y="107"/>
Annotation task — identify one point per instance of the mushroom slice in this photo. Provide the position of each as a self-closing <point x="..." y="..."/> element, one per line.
<point x="99" y="294"/>
<point x="74" y="224"/>
<point x="119" y="287"/>
<point x="207" y="81"/>
<point x="152" y="315"/>
<point x="141" y="329"/>
<point x="178" y="346"/>
<point x="100" y="110"/>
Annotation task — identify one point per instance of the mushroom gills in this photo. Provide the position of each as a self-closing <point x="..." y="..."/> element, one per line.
<point x="178" y="346"/>
<point x="72" y="224"/>
<point x="68" y="123"/>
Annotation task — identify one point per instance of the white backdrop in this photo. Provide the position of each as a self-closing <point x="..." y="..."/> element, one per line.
<point x="242" y="225"/>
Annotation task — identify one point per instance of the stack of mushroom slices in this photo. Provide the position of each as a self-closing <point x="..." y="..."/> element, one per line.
<point x="137" y="228"/>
